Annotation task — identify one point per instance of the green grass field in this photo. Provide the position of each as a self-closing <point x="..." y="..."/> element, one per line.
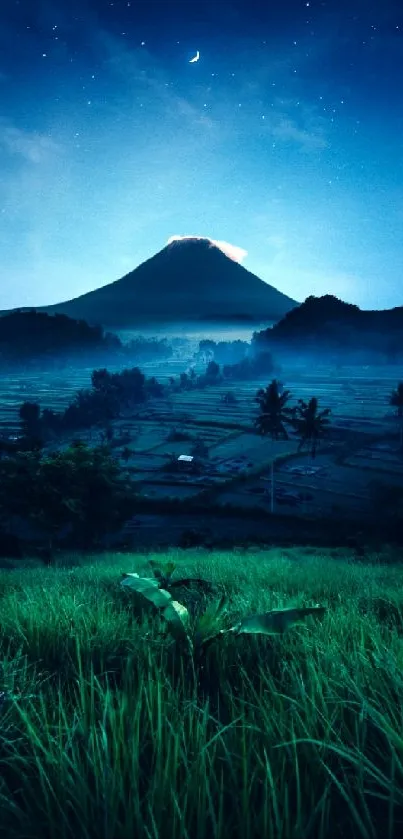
<point x="107" y="731"/>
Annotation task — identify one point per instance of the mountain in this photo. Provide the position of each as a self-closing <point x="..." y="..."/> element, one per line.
<point x="327" y="323"/>
<point x="189" y="280"/>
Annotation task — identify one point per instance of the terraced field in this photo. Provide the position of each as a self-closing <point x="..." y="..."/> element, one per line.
<point x="355" y="395"/>
<point x="358" y="398"/>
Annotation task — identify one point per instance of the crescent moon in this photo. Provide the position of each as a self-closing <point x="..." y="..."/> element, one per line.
<point x="196" y="58"/>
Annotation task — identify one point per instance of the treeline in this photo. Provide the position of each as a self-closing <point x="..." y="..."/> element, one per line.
<point x="112" y="393"/>
<point x="36" y="335"/>
<point x="223" y="352"/>
<point x="108" y="396"/>
<point x="148" y="349"/>
<point x="35" y="338"/>
<point x="234" y="360"/>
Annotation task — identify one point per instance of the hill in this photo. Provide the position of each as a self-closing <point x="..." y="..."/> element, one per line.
<point x="331" y="324"/>
<point x="190" y="280"/>
<point x="37" y="338"/>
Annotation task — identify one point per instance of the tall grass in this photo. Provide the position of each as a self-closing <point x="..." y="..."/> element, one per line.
<point x="107" y="732"/>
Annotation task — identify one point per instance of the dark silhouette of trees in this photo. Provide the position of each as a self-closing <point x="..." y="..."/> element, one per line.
<point x="153" y="389"/>
<point x="248" y="368"/>
<point x="110" y="394"/>
<point x="341" y="328"/>
<point x="78" y="495"/>
<point x="34" y="337"/>
<point x="274" y="414"/>
<point x="212" y="371"/>
<point x="310" y="424"/>
<point x="89" y="408"/>
<point x="146" y="349"/>
<point x="223" y="352"/>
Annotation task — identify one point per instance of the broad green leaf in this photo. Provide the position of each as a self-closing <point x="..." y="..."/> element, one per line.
<point x="275" y="622"/>
<point x="147" y="588"/>
<point x="177" y="617"/>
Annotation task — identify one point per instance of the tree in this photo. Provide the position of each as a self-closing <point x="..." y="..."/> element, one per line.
<point x="396" y="399"/>
<point x="310" y="424"/>
<point x="18" y="477"/>
<point x="30" y="419"/>
<point x="154" y="388"/>
<point x="79" y="493"/>
<point x="212" y="371"/>
<point x="51" y="422"/>
<point x="273" y="418"/>
<point x="274" y="413"/>
<point x="262" y="363"/>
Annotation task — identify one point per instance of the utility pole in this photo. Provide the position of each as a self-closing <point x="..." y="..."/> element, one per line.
<point x="272" y="487"/>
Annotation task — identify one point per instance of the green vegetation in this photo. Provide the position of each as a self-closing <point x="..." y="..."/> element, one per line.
<point x="107" y="730"/>
<point x="77" y="495"/>
<point x="110" y="393"/>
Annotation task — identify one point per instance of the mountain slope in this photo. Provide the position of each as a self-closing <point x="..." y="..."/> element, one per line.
<point x="189" y="280"/>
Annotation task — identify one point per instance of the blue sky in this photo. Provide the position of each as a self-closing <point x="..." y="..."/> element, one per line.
<point x="285" y="139"/>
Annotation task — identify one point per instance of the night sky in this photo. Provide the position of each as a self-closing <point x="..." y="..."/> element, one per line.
<point x="285" y="139"/>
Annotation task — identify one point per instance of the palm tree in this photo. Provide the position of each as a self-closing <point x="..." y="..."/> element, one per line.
<point x="274" y="413"/>
<point x="273" y="418"/>
<point x="310" y="424"/>
<point x="396" y="399"/>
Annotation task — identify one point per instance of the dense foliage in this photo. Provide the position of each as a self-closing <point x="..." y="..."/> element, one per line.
<point x="109" y="394"/>
<point x="36" y="336"/>
<point x="329" y="323"/>
<point x="77" y="495"/>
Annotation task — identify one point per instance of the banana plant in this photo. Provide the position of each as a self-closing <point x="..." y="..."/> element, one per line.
<point x="209" y="625"/>
<point x="148" y="591"/>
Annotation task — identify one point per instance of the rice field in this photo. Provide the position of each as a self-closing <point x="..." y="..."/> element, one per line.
<point x="354" y="395"/>
<point x="358" y="398"/>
